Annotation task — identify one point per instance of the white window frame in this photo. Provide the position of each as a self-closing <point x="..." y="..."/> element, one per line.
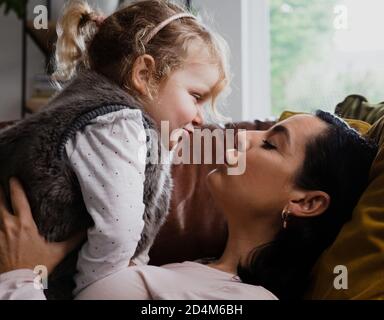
<point x="256" y="65"/>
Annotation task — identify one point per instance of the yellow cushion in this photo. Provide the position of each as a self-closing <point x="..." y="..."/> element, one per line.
<point x="361" y="126"/>
<point x="360" y="244"/>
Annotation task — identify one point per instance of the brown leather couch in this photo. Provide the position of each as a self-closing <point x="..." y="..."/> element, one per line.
<point x="195" y="228"/>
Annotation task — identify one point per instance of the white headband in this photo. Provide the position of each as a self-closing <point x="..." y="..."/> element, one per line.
<point x="165" y="23"/>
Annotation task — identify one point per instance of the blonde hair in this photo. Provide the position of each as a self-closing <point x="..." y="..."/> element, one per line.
<point x="111" y="47"/>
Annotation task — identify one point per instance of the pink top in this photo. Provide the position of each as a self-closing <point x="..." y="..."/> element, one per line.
<point x="177" y="281"/>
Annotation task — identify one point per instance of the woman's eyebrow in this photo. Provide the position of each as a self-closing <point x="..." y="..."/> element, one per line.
<point x="281" y="129"/>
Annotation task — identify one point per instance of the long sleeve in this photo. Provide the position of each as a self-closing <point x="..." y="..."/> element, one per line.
<point x="109" y="161"/>
<point x="20" y="285"/>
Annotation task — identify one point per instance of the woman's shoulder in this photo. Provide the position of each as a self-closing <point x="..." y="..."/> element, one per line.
<point x="257" y="292"/>
<point x="229" y="285"/>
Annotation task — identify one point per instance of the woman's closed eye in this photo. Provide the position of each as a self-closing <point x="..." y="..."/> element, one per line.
<point x="268" y="145"/>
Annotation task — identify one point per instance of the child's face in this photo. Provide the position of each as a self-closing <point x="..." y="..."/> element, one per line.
<point x="183" y="95"/>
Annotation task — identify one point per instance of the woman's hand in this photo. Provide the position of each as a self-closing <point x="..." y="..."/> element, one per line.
<point x="21" y="245"/>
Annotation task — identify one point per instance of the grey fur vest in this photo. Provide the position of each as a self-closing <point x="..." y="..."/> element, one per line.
<point x="33" y="151"/>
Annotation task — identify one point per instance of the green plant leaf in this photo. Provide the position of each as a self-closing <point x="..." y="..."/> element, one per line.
<point x="17" y="6"/>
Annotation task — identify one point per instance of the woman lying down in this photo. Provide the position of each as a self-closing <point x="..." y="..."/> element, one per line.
<point x="303" y="178"/>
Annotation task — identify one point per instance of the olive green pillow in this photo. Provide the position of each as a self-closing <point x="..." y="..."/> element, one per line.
<point x="358" y="107"/>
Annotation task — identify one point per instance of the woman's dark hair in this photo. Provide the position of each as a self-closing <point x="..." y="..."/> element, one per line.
<point x="336" y="162"/>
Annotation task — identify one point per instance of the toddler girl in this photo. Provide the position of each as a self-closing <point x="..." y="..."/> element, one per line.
<point x="148" y="63"/>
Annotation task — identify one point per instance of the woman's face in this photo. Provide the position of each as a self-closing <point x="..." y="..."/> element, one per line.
<point x="272" y="159"/>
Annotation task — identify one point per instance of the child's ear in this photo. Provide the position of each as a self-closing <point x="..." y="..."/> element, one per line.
<point x="309" y="204"/>
<point x="142" y="69"/>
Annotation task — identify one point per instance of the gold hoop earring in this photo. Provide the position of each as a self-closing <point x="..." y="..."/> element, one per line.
<point x="285" y="217"/>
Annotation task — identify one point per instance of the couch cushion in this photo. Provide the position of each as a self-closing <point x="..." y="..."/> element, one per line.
<point x="358" y="107"/>
<point x="360" y="244"/>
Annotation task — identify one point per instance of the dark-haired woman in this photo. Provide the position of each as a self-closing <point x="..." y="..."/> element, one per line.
<point x="302" y="180"/>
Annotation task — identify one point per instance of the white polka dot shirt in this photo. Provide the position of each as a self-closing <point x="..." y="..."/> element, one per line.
<point x="108" y="157"/>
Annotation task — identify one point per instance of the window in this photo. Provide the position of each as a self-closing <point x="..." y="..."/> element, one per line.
<point x="324" y="50"/>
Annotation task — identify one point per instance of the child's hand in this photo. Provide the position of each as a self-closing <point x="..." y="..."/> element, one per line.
<point x="21" y="245"/>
